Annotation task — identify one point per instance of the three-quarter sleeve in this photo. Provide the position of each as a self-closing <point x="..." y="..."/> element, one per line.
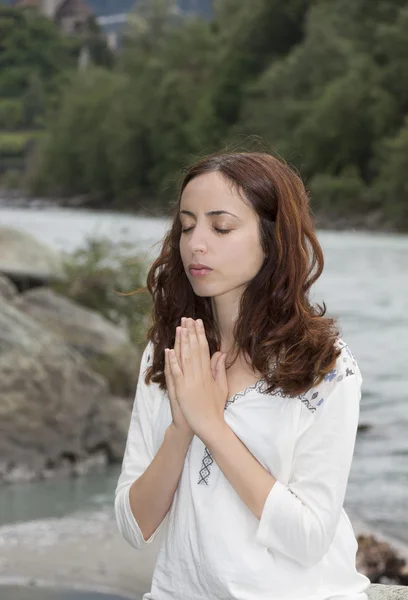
<point x="300" y="519"/>
<point x="139" y="453"/>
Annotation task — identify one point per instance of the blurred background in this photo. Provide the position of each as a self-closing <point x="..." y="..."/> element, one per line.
<point x="102" y="104"/>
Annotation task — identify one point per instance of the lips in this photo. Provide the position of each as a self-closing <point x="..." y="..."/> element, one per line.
<point x="198" y="266"/>
<point x="199" y="270"/>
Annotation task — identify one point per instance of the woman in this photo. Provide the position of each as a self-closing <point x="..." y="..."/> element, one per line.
<point x="246" y="411"/>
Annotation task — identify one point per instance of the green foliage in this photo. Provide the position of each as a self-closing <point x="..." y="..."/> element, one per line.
<point x="15" y="143"/>
<point x="260" y="32"/>
<point x="324" y="82"/>
<point x="391" y="184"/>
<point x="80" y="133"/>
<point x="11" y="113"/>
<point x="30" y="43"/>
<point x="99" y="275"/>
<point x="100" y="53"/>
<point x="338" y="195"/>
<point x="11" y="180"/>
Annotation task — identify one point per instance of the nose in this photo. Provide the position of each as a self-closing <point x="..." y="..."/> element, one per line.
<point x="197" y="241"/>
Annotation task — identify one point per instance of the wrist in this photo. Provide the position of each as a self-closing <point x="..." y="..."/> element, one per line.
<point x="182" y="436"/>
<point x="214" y="434"/>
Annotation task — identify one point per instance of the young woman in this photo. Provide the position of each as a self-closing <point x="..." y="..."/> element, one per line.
<point x="246" y="411"/>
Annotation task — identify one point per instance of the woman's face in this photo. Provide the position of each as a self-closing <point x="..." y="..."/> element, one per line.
<point x="234" y="257"/>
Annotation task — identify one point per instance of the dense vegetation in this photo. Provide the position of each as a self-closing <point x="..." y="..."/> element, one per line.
<point x="322" y="82"/>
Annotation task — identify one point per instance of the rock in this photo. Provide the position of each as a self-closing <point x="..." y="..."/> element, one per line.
<point x="380" y="562"/>
<point x="364" y="427"/>
<point x="26" y="260"/>
<point x="387" y="592"/>
<point x="7" y="288"/>
<point x="55" y="411"/>
<point x="105" y="345"/>
<point x="112" y="423"/>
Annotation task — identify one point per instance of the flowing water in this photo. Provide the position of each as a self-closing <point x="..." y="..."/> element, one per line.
<point x="364" y="285"/>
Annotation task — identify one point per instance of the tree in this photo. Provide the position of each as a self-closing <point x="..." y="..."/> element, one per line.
<point x="31" y="43"/>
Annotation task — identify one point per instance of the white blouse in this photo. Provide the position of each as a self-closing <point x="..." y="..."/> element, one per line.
<point x="213" y="547"/>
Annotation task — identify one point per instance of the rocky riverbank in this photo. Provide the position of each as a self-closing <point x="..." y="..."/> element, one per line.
<point x="87" y="552"/>
<point x="63" y="410"/>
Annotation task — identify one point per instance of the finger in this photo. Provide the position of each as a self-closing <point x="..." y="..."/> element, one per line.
<point x="168" y="374"/>
<point x="203" y="343"/>
<point x="177" y="344"/>
<point x="179" y="340"/>
<point x="185" y="353"/>
<point x="195" y="349"/>
<point x="175" y="368"/>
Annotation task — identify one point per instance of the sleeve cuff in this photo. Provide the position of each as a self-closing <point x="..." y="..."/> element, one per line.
<point x="134" y="524"/>
<point x="271" y="512"/>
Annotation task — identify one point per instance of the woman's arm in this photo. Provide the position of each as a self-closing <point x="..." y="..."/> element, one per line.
<point x="300" y="519"/>
<point x="149" y="477"/>
<point x="152" y="493"/>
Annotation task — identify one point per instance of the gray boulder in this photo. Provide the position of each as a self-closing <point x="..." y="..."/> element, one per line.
<point x="54" y="410"/>
<point x="24" y="258"/>
<point x="106" y="346"/>
<point x="7" y="288"/>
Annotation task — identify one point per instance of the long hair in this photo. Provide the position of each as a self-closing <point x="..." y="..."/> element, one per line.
<point x="276" y="324"/>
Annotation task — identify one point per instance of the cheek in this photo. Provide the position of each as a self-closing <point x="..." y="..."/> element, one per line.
<point x="242" y="256"/>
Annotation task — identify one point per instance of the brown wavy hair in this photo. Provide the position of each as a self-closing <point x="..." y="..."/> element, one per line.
<point x="276" y="322"/>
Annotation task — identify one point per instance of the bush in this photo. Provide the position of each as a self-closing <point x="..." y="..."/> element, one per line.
<point x="338" y="195"/>
<point x="11" y="179"/>
<point x="16" y="143"/>
<point x="11" y="113"/>
<point x="391" y="185"/>
<point x="99" y="275"/>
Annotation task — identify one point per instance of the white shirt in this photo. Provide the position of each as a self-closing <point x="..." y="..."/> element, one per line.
<point x="213" y="547"/>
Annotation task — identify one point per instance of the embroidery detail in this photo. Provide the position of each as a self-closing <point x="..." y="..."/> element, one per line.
<point x="331" y="375"/>
<point x="307" y="403"/>
<point x="254" y="386"/>
<point x="208" y="459"/>
<point x="351" y="355"/>
<point x="205" y="469"/>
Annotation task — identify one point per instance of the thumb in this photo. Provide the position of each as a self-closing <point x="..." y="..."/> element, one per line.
<point x="214" y="359"/>
<point x="220" y="371"/>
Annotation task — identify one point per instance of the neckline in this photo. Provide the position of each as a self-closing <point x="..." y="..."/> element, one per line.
<point x="243" y="392"/>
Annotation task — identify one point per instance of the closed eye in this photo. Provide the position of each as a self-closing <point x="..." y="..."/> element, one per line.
<point x="216" y="229"/>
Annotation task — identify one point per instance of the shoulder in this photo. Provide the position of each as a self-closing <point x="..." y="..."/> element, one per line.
<point x="345" y="369"/>
<point x="147" y="355"/>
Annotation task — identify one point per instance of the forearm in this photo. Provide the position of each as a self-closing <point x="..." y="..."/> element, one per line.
<point x="152" y="493"/>
<point x="246" y="475"/>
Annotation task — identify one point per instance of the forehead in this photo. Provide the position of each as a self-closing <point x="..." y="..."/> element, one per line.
<point x="211" y="191"/>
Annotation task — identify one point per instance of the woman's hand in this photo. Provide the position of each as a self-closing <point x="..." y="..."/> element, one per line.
<point x="179" y="423"/>
<point x="200" y="382"/>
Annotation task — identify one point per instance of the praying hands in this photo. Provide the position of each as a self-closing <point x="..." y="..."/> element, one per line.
<point x="197" y="383"/>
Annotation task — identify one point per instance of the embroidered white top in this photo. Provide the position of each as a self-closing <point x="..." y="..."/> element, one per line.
<point x="213" y="547"/>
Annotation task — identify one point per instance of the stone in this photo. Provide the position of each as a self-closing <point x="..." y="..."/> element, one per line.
<point x="54" y="410"/>
<point x="7" y="288"/>
<point x="105" y="345"/>
<point x="26" y="260"/>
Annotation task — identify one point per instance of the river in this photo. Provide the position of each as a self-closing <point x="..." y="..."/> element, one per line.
<point x="364" y="284"/>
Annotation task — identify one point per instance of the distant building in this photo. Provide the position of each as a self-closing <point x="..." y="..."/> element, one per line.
<point x="111" y="15"/>
<point x="70" y="15"/>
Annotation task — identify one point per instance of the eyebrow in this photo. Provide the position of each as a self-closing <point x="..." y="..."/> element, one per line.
<point x="210" y="213"/>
